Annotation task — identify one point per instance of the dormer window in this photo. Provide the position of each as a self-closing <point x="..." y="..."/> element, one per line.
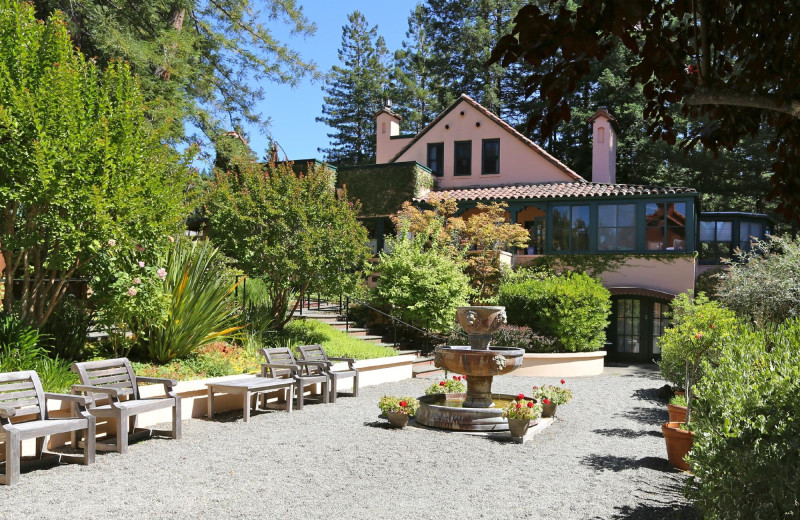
<point x="462" y="165"/>
<point x="491" y="157"/>
<point x="436" y="158"/>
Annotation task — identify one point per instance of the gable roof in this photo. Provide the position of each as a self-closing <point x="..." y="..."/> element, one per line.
<point x="502" y="124"/>
<point x="558" y="190"/>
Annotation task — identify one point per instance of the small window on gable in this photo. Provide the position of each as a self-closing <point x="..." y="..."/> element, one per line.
<point x="436" y="158"/>
<point x="462" y="165"/>
<point x="491" y="156"/>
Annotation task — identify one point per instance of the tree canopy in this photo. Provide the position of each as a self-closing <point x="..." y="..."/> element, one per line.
<point x="82" y="167"/>
<point x="727" y="66"/>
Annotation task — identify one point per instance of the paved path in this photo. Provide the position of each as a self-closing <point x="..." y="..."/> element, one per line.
<point x="603" y="458"/>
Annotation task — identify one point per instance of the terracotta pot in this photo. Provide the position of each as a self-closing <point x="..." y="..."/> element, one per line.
<point x="679" y="392"/>
<point x="397" y="419"/>
<point x="549" y="410"/>
<point x="679" y="443"/>
<point x="518" y="427"/>
<point x="676" y="413"/>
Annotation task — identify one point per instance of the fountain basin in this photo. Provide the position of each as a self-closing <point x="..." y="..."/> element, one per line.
<point x="446" y="411"/>
<point x="480" y="367"/>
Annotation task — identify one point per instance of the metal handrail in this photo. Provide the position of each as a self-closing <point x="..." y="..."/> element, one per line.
<point x="395" y="321"/>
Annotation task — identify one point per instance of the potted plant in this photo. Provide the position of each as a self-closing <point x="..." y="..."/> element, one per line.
<point x="448" y="386"/>
<point x="550" y="396"/>
<point x="699" y="326"/>
<point x="520" y="413"/>
<point x="398" y="409"/>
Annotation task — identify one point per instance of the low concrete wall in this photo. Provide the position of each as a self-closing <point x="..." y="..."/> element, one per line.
<point x="571" y="364"/>
<point x="194" y="394"/>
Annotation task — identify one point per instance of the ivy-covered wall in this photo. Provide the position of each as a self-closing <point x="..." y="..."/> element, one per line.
<point x="382" y="188"/>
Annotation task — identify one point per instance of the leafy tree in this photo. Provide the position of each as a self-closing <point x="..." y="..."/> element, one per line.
<point x="197" y="61"/>
<point x="289" y="229"/>
<point x="729" y="66"/>
<point x="355" y="93"/>
<point x="420" y="280"/>
<point x="80" y="163"/>
<point x="486" y="233"/>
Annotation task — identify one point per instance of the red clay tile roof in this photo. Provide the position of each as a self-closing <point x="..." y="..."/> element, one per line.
<point x="505" y="126"/>
<point x="557" y="190"/>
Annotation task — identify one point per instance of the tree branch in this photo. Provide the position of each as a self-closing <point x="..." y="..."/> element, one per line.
<point x="739" y="99"/>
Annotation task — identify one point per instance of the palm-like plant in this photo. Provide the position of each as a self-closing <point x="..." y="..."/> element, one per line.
<point x="201" y="310"/>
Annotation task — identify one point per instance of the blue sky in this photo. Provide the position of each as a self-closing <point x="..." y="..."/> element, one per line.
<point x="292" y="110"/>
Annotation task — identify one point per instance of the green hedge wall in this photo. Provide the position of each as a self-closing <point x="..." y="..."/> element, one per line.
<point x="572" y="308"/>
<point x="382" y="188"/>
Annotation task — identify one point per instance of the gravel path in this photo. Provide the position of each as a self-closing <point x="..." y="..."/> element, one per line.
<point x="603" y="458"/>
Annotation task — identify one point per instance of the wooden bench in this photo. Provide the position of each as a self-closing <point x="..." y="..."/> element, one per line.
<point x="316" y="353"/>
<point x="113" y="381"/>
<point x="249" y="387"/>
<point x="21" y="397"/>
<point x="282" y="363"/>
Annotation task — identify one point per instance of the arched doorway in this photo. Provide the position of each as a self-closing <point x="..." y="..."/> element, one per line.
<point x="638" y="319"/>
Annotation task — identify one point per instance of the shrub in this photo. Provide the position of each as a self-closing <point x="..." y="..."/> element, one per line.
<point x="405" y="404"/>
<point x="337" y="343"/>
<point x="553" y="394"/>
<point x="522" y="409"/>
<point x="448" y="386"/>
<point x="572" y="308"/>
<point x="66" y="330"/>
<point x="20" y="349"/>
<point x="421" y="283"/>
<point x="764" y="283"/>
<point x="709" y="282"/>
<point x="200" y="309"/>
<point x="746" y="454"/>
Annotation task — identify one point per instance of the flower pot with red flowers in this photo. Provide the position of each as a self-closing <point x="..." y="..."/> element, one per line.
<point x="550" y="396"/>
<point x="454" y="385"/>
<point x="398" y="409"/>
<point x="520" y="414"/>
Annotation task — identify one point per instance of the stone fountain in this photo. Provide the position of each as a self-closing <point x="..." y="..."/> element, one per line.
<point x="479" y="409"/>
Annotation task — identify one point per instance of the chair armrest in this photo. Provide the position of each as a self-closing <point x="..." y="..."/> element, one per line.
<point x="350" y="361"/>
<point x="110" y="392"/>
<point x="277" y="365"/>
<point x="7" y="411"/>
<point x="318" y="363"/>
<point x="79" y="399"/>
<point x="168" y="383"/>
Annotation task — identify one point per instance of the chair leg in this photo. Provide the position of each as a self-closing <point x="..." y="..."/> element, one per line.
<point x="132" y="424"/>
<point x="176" y="419"/>
<point x="298" y="391"/>
<point x="40" y="446"/>
<point x="326" y="390"/>
<point x="289" y="398"/>
<point x="122" y="434"/>
<point x="89" y="447"/>
<point x="12" y="459"/>
<point x="332" y="382"/>
<point x="355" y="385"/>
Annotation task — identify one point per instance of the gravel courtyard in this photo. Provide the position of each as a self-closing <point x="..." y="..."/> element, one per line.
<point x="603" y="458"/>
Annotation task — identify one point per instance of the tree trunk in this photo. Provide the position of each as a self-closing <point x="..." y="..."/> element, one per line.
<point x="176" y="18"/>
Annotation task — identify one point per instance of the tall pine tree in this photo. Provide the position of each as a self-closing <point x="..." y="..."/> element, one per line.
<point x="355" y="93"/>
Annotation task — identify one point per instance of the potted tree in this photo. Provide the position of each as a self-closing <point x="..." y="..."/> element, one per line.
<point x="699" y="326"/>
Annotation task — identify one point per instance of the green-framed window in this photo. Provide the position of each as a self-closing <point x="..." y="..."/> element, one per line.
<point x="462" y="164"/>
<point x="665" y="226"/>
<point x="616" y="227"/>
<point x="436" y="158"/>
<point x="571" y="225"/>
<point x="490" y="157"/>
<point x="716" y="240"/>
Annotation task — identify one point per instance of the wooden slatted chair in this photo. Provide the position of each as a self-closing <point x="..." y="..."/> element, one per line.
<point x="317" y="353"/>
<point x="24" y="415"/>
<point x="282" y="363"/>
<point x="113" y="382"/>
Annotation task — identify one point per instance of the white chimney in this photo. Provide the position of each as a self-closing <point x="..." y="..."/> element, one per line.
<point x="604" y="147"/>
<point x="387" y="125"/>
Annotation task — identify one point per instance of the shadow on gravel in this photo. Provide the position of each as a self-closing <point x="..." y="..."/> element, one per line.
<point x="649" y="395"/>
<point x="383" y="425"/>
<point x="614" y="463"/>
<point x="656" y="512"/>
<point x="627" y="433"/>
<point x="648" y="416"/>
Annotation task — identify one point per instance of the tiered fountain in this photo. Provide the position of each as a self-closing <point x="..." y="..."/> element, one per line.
<point x="479" y="409"/>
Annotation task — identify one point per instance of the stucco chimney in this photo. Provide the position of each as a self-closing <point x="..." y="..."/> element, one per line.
<point x="604" y="147"/>
<point x="387" y="124"/>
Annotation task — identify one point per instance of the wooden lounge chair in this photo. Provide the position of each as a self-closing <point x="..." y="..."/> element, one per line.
<point x="21" y="396"/>
<point x="113" y="381"/>
<point x="317" y="353"/>
<point x="282" y="363"/>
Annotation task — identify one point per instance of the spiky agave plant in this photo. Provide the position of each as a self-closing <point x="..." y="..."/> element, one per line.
<point x="201" y="310"/>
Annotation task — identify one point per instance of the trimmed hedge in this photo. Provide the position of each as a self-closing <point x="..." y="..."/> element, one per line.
<point x="572" y="308"/>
